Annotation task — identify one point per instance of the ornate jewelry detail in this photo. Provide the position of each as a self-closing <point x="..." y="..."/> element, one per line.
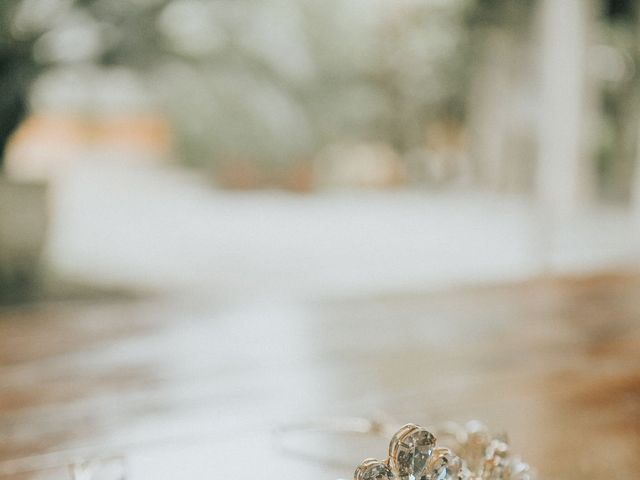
<point x="468" y="453"/>
<point x="372" y="469"/>
<point x="410" y="451"/>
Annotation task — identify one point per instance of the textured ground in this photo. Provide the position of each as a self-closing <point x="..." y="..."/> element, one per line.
<point x="194" y="388"/>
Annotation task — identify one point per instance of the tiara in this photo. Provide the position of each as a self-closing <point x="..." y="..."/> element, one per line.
<point x="468" y="452"/>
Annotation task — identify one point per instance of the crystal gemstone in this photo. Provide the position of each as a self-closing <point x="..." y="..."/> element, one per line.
<point x="410" y="452"/>
<point x="373" y="470"/>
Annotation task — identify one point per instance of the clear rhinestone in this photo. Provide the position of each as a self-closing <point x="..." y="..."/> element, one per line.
<point x="445" y="465"/>
<point x="371" y="469"/>
<point x="518" y="470"/>
<point x="474" y="450"/>
<point x="410" y="451"/>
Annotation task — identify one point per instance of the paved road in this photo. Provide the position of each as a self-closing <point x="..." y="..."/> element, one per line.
<point x="153" y="228"/>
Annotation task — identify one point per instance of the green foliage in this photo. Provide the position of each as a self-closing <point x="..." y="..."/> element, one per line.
<point x="273" y="80"/>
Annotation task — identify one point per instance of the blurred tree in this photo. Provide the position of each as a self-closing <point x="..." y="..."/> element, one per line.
<point x="269" y="81"/>
<point x="17" y="69"/>
<point x="615" y="67"/>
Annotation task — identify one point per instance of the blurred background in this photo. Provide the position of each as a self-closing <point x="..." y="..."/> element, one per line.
<point x="234" y="146"/>
<point x="220" y="216"/>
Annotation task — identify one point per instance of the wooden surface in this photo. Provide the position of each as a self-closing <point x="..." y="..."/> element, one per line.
<point x="194" y="388"/>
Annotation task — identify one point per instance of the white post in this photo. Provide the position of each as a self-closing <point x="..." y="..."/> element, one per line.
<point x="563" y="176"/>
